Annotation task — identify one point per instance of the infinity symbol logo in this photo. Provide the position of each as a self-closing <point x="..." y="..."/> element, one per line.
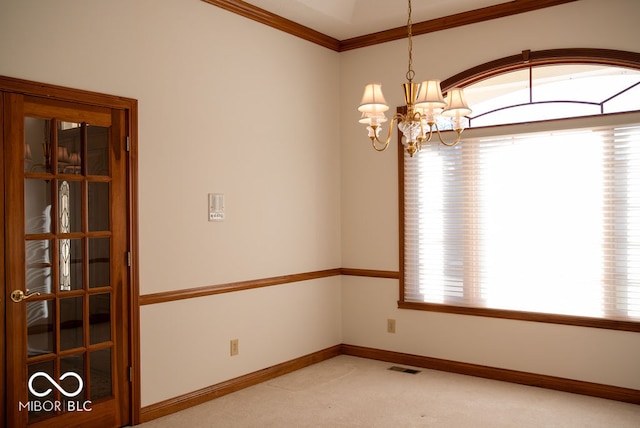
<point x="56" y="385"/>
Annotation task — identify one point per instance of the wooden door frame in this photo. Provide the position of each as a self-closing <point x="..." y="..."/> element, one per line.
<point x="25" y="87"/>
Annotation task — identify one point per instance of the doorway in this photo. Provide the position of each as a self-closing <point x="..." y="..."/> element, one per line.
<point x="70" y="332"/>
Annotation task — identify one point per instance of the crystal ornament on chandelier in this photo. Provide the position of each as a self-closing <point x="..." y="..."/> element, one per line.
<point x="424" y="103"/>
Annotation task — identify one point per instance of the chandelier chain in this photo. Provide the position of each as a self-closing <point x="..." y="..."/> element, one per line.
<point x="410" y="73"/>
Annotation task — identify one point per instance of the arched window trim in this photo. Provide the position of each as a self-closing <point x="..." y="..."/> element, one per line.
<point x="529" y="59"/>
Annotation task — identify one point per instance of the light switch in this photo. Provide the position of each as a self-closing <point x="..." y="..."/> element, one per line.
<point x="216" y="206"/>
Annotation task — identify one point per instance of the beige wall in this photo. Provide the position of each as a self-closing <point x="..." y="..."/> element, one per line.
<point x="185" y="344"/>
<point x="370" y="194"/>
<point x="221" y="110"/>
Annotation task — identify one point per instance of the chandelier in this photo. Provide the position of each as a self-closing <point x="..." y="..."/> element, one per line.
<point x="424" y="104"/>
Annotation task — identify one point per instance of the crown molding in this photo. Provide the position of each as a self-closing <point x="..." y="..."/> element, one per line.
<point x="272" y="20"/>
<point x="465" y="18"/>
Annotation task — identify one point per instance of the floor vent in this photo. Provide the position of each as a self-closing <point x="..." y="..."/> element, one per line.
<point x="404" y="370"/>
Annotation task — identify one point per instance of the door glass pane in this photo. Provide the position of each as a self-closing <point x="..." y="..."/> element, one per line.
<point x="99" y="262"/>
<point x="36" y="145"/>
<point x="65" y="264"/>
<point x="71" y="255"/>
<point x="100" y="363"/>
<point x="71" y="322"/>
<point x="40" y="384"/>
<point x="97" y="150"/>
<point x="37" y="206"/>
<point x="71" y="368"/>
<point x="100" y="318"/>
<point x="40" y="323"/>
<point x="69" y="148"/>
<point x="38" y="266"/>
<point x="98" y="206"/>
<point x="69" y="206"/>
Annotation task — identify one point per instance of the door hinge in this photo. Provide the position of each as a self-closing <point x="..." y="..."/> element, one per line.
<point x="130" y="374"/>
<point x="129" y="258"/>
<point x="128" y="143"/>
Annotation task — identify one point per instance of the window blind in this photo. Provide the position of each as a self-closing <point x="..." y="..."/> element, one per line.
<point x="545" y="222"/>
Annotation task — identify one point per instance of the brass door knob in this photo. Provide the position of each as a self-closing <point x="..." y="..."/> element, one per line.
<point x="19" y="295"/>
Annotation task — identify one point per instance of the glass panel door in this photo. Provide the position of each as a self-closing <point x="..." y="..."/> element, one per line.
<point x="68" y="361"/>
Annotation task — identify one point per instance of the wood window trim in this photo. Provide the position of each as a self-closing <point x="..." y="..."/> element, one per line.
<point x="526" y="59"/>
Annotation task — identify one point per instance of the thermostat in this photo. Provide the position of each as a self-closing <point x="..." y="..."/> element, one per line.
<point x="216" y="206"/>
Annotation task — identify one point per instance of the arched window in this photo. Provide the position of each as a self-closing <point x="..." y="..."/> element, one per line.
<point x="551" y="84"/>
<point x="539" y="220"/>
<point x="553" y="92"/>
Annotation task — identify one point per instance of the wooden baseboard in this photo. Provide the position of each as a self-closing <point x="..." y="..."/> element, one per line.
<point x="191" y="399"/>
<point x="531" y="379"/>
<point x="194" y="398"/>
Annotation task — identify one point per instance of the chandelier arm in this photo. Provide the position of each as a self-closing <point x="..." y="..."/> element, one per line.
<point x="421" y="139"/>
<point x="396" y="117"/>
<point x="457" y="140"/>
<point x="431" y="125"/>
<point x="378" y="149"/>
<point x="430" y="133"/>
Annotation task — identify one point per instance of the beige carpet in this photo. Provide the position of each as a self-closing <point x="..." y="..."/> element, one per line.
<point x="348" y="391"/>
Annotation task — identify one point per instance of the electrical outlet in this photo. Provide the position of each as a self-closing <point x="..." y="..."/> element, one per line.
<point x="391" y="325"/>
<point x="233" y="347"/>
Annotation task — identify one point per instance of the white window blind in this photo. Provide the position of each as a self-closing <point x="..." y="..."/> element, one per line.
<point x="545" y="222"/>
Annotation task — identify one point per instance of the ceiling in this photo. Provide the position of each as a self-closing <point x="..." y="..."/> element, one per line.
<point x="345" y="19"/>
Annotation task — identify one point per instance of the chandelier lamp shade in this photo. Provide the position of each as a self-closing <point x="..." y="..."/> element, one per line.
<point x="424" y="103"/>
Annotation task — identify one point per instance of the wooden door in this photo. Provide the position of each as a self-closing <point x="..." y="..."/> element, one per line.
<point x="66" y="258"/>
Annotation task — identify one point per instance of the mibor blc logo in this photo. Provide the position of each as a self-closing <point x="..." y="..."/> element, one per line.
<point x="55" y="405"/>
